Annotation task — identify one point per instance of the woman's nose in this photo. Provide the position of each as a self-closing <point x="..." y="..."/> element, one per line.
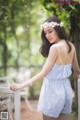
<point x="47" y="35"/>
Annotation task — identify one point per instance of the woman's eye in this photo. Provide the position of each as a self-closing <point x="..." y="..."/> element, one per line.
<point x="50" y="31"/>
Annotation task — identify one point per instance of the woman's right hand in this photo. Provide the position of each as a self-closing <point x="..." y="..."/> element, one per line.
<point x="16" y="87"/>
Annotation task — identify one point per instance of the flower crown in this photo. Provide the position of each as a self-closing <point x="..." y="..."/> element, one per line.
<point x="51" y="24"/>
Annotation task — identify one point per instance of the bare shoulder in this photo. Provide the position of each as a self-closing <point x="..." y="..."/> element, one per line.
<point x="72" y="46"/>
<point x="53" y="49"/>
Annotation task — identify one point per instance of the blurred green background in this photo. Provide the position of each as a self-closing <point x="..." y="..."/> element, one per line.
<point x="20" y="38"/>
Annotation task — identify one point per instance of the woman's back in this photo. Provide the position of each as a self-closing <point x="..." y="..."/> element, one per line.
<point x="64" y="57"/>
<point x="62" y="68"/>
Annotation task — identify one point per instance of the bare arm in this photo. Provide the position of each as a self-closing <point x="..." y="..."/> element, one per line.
<point x="76" y="68"/>
<point x="45" y="70"/>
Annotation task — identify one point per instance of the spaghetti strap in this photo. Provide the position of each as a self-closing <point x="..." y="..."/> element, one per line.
<point x="59" y="56"/>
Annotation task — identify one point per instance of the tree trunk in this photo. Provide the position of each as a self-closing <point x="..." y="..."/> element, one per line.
<point x="75" y="34"/>
<point x="4" y="53"/>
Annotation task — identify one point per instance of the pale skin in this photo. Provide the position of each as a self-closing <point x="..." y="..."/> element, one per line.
<point x="53" y="58"/>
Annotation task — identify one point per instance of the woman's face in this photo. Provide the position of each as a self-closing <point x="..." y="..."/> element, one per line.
<point x="51" y="35"/>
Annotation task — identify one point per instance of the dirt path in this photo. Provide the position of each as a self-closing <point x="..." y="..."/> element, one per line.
<point x="27" y="114"/>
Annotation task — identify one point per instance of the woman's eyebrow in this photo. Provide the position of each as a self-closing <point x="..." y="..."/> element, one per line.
<point x="47" y="30"/>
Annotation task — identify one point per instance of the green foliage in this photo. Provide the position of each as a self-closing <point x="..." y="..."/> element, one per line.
<point x="35" y="89"/>
<point x="19" y="31"/>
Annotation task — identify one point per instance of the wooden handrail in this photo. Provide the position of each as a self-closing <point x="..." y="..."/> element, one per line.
<point x="16" y="100"/>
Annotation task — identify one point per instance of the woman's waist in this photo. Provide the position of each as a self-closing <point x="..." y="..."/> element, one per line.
<point x="56" y="78"/>
<point x="61" y="82"/>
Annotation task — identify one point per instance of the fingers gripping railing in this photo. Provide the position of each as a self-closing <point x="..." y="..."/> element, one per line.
<point x="78" y="98"/>
<point x="16" y="96"/>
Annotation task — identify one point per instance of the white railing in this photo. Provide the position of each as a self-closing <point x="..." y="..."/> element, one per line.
<point x="16" y="96"/>
<point x="78" y="98"/>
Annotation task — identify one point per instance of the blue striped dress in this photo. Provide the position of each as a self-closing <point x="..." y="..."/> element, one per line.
<point x="56" y="93"/>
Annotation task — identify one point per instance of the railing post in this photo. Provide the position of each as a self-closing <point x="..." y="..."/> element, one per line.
<point x="17" y="105"/>
<point x="78" y="98"/>
<point x="16" y="100"/>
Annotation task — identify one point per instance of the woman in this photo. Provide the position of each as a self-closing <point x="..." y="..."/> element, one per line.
<point x="56" y="93"/>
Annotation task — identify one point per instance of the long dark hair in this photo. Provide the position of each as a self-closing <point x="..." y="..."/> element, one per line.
<point x="61" y="34"/>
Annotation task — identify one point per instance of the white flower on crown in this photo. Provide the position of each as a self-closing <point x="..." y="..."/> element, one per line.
<point x="61" y="24"/>
<point x="51" y="24"/>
